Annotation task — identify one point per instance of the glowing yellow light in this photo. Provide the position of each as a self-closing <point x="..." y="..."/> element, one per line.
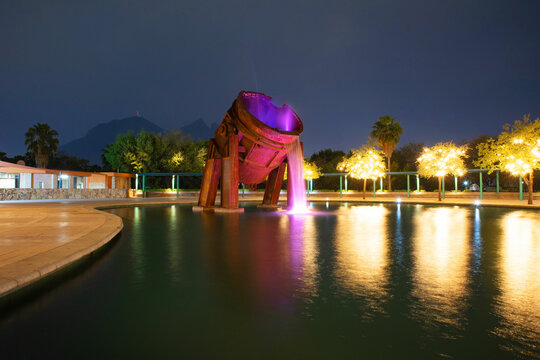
<point x="311" y="171"/>
<point x="518" y="302"/>
<point x="442" y="159"/>
<point x="441" y="272"/>
<point x="364" y="163"/>
<point x="516" y="150"/>
<point x="362" y="253"/>
<point x="536" y="150"/>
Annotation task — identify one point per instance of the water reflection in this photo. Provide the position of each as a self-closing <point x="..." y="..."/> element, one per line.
<point x="138" y="247"/>
<point x="174" y="242"/>
<point x="398" y="236"/>
<point x="269" y="258"/>
<point x="300" y="285"/>
<point x="441" y="253"/>
<point x="519" y="265"/>
<point x="362" y="253"/>
<point x="303" y="252"/>
<point x="477" y="241"/>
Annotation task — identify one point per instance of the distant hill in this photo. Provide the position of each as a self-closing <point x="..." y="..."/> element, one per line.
<point x="199" y="130"/>
<point x="90" y="145"/>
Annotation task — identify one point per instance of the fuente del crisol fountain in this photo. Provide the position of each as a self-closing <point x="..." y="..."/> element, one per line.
<point x="255" y="142"/>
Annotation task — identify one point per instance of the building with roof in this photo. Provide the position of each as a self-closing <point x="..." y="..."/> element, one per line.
<point x="17" y="176"/>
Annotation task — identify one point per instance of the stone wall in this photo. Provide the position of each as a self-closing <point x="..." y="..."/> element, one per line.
<point x="38" y="194"/>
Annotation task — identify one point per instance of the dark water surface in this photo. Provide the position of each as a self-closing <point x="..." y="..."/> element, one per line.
<point x="352" y="281"/>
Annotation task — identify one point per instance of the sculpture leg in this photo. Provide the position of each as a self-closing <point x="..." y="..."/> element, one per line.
<point x="273" y="185"/>
<point x="212" y="172"/>
<point x="229" y="175"/>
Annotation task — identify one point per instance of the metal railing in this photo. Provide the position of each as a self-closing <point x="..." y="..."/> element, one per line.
<point x="175" y="180"/>
<point x="343" y="182"/>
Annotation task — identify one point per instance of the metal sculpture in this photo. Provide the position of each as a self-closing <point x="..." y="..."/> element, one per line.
<point x="249" y="146"/>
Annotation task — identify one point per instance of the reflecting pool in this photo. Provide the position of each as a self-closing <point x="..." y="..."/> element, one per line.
<point x="346" y="281"/>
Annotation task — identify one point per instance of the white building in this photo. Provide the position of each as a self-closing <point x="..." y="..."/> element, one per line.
<point x="15" y="176"/>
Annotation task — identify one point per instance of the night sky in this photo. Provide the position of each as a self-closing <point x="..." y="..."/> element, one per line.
<point x="447" y="70"/>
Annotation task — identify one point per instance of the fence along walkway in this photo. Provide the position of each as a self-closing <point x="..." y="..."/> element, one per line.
<point x="343" y="180"/>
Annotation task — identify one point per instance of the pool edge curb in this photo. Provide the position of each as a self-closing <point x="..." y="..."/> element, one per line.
<point x="19" y="274"/>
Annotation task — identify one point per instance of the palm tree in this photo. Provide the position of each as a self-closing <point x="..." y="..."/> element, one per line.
<point x="42" y="142"/>
<point x="387" y="131"/>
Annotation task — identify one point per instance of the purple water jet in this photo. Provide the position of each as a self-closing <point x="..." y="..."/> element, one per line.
<point x="296" y="189"/>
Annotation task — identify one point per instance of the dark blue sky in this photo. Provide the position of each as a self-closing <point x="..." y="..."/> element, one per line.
<point x="447" y="70"/>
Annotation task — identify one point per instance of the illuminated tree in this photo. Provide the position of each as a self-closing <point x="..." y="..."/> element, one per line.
<point x="311" y="171"/>
<point x="147" y="152"/>
<point x="516" y="150"/>
<point x="175" y="161"/>
<point x="442" y="159"/>
<point x="387" y="131"/>
<point x="364" y="163"/>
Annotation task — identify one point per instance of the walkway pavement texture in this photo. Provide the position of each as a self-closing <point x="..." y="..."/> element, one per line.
<point x="39" y="237"/>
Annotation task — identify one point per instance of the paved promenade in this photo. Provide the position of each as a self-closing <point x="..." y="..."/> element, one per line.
<point x="39" y="237"/>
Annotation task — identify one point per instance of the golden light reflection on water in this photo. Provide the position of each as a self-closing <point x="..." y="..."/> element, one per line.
<point x="441" y="272"/>
<point x="138" y="247"/>
<point x="362" y="252"/>
<point x="174" y="241"/>
<point x="519" y="301"/>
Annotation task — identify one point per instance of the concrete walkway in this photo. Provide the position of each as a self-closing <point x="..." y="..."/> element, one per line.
<point x="39" y="237"/>
<point x="37" y="240"/>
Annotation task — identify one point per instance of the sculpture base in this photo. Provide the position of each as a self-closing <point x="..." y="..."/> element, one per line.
<point x="269" y="207"/>
<point x="225" y="210"/>
<point x="216" y="209"/>
<point x="203" y="208"/>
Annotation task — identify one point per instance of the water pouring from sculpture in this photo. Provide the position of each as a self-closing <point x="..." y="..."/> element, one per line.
<point x="254" y="142"/>
<point x="296" y="189"/>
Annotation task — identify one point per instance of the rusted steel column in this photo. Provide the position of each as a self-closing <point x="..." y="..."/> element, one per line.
<point x="273" y="185"/>
<point x="229" y="174"/>
<point x="212" y="172"/>
<point x="210" y="181"/>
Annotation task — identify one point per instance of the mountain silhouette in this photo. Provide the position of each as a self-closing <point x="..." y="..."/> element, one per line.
<point x="199" y="130"/>
<point x="90" y="146"/>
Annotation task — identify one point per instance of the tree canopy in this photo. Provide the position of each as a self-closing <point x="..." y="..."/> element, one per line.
<point x="148" y="152"/>
<point x="327" y="161"/>
<point x="364" y="163"/>
<point x="405" y="157"/>
<point x="311" y="170"/>
<point x="42" y="142"/>
<point x="387" y="131"/>
<point x="516" y="150"/>
<point x="442" y="159"/>
<point x="62" y="161"/>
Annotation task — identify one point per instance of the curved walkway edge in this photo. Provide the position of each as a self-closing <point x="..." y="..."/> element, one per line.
<point x="38" y="240"/>
<point x="40" y="237"/>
